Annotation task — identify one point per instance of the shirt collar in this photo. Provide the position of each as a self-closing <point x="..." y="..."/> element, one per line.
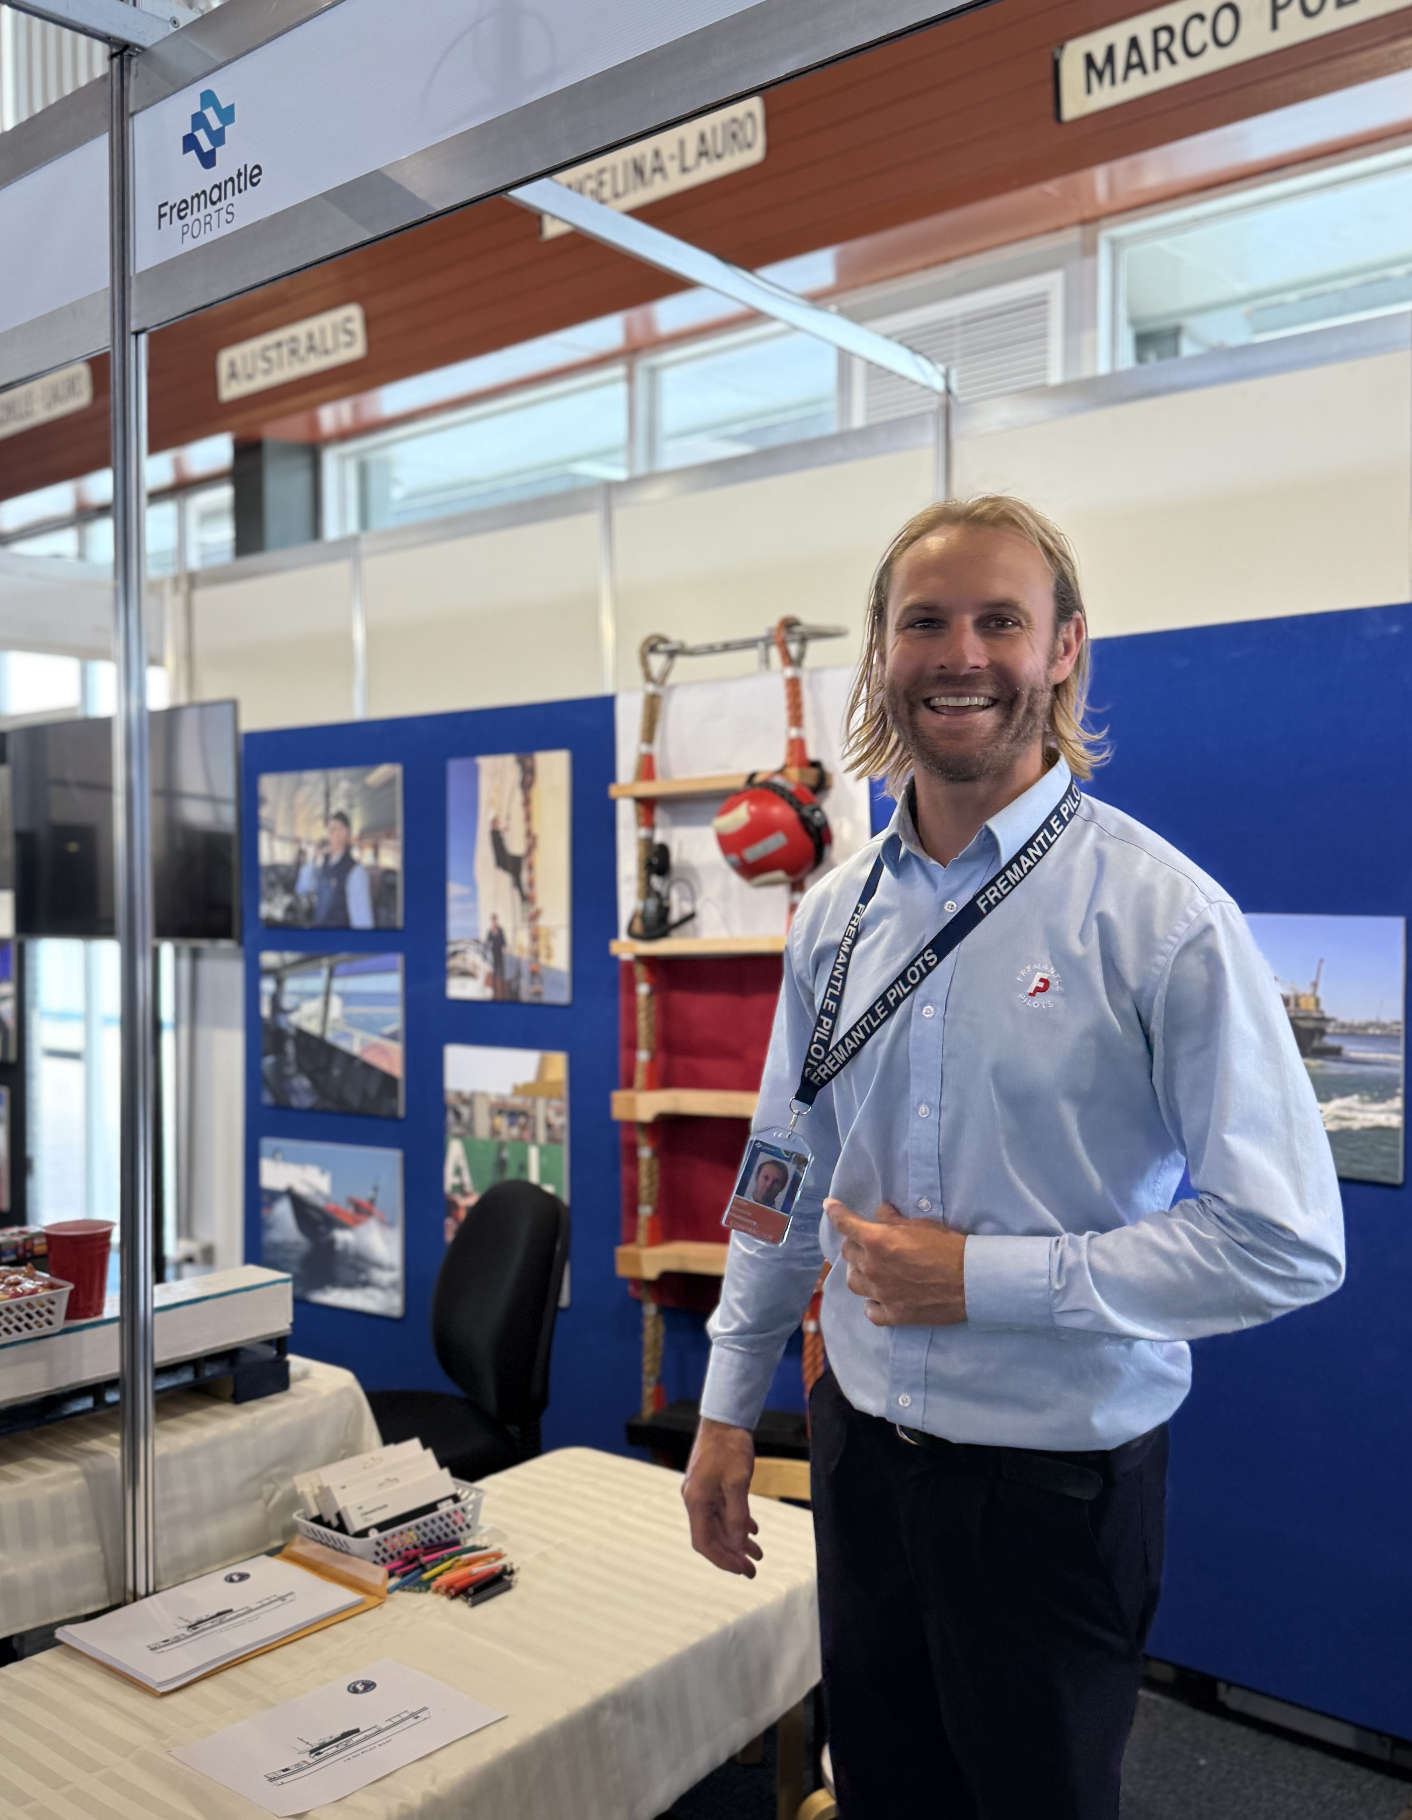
<point x="1009" y="828"/>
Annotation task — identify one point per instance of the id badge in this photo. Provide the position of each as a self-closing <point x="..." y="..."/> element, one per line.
<point x="771" y="1175"/>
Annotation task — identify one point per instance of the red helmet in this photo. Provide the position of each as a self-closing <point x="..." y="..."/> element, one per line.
<point x="772" y="832"/>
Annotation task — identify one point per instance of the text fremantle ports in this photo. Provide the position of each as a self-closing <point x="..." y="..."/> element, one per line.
<point x="212" y="207"/>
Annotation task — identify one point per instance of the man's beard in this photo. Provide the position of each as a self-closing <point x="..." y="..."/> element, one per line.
<point x="1018" y="722"/>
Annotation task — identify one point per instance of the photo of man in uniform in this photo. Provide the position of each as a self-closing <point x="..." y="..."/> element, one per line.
<point x="337" y="884"/>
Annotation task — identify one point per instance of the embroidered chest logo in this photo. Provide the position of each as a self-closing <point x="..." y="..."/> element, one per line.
<point x="1040" y="986"/>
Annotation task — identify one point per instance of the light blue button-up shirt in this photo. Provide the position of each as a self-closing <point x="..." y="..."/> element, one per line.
<point x="1111" y="1021"/>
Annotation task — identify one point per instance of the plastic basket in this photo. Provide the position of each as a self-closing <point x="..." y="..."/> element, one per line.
<point x="456" y="1523"/>
<point x="26" y="1317"/>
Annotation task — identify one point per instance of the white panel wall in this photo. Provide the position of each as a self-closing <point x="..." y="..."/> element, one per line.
<point x="475" y="622"/>
<point x="1281" y="495"/>
<point x="279" y="643"/>
<point x="731" y="561"/>
<point x="1287" y="494"/>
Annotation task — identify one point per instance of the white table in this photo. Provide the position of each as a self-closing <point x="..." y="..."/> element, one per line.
<point x="224" y="1490"/>
<point x="629" y="1668"/>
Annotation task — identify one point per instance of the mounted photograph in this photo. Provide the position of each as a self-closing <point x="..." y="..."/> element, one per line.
<point x="507" y="877"/>
<point x="331" y="1033"/>
<point x="331" y="1215"/>
<point x="330" y="848"/>
<point x="507" y="1120"/>
<point x="1343" y="982"/>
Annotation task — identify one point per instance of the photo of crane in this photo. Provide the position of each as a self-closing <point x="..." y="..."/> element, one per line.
<point x="507" y="877"/>
<point x="1343" y="983"/>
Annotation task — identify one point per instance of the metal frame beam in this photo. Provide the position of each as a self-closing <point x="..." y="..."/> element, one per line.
<point x="683" y="260"/>
<point x="124" y="26"/>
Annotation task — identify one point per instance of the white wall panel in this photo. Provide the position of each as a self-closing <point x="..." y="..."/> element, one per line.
<point x="510" y="616"/>
<point x="279" y="643"/>
<point x="732" y="560"/>
<point x="1287" y="494"/>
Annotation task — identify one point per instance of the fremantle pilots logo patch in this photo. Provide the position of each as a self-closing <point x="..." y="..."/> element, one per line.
<point x="1040" y="986"/>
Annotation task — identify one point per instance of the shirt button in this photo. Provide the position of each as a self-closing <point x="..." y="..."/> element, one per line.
<point x="948" y="905"/>
<point x="925" y="1206"/>
<point x="923" y="1111"/>
<point x="928" y="1010"/>
<point x="904" y="1401"/>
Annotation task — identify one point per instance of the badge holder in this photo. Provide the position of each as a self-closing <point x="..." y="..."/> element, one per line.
<point x="771" y="1175"/>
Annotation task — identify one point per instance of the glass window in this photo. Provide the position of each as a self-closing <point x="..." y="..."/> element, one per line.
<point x="210" y="526"/>
<point x="39" y="682"/>
<point x="163" y="537"/>
<point x="74" y="1037"/>
<point x="101" y="687"/>
<point x="1329" y="248"/>
<point x="746" y="392"/>
<point x="67" y="541"/>
<point x="538" y="442"/>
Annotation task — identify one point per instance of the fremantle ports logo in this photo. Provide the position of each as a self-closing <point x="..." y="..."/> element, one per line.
<point x="206" y="138"/>
<point x="212" y="208"/>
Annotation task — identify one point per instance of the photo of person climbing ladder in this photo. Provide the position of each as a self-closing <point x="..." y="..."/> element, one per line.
<point x="507" y="877"/>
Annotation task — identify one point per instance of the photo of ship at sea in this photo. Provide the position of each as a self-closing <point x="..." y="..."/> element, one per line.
<point x="331" y="1215"/>
<point x="1343" y="982"/>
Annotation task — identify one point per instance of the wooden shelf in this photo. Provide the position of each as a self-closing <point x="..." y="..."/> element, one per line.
<point x="697" y="947"/>
<point x="724" y="783"/>
<point x="630" y="1107"/>
<point x="692" y="1257"/>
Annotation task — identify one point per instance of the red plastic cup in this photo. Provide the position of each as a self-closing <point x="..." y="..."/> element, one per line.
<point x="78" y="1254"/>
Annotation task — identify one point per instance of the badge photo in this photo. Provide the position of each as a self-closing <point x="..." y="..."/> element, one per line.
<point x="771" y="1175"/>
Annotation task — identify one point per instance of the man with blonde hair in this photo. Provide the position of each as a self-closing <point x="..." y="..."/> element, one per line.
<point x="1006" y="1026"/>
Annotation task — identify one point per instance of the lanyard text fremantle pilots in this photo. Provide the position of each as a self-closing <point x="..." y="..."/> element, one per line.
<point x="777" y="1161"/>
<point x="824" y="1058"/>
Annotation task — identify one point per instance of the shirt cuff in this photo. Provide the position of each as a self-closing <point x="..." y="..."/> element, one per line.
<point x="1007" y="1281"/>
<point x="736" y="1386"/>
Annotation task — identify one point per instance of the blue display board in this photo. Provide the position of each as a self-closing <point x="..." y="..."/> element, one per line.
<point x="595" y="1378"/>
<point x="1277" y="754"/>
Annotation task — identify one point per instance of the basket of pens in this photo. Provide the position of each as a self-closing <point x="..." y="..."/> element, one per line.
<point x="455" y="1523"/>
<point x="471" y="1571"/>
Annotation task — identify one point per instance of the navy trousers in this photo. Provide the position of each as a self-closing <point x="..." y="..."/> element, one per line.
<point x="982" y="1635"/>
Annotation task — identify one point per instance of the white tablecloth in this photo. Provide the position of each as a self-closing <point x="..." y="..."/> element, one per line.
<point x="224" y="1490"/>
<point x="628" y="1667"/>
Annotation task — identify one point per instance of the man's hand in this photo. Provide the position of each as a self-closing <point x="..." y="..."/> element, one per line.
<point x="717" y="1480"/>
<point x="911" y="1272"/>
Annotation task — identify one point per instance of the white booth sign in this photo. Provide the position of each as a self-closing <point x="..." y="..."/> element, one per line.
<point x="1177" y="43"/>
<point x="699" y="151"/>
<point x="59" y="394"/>
<point x="312" y="345"/>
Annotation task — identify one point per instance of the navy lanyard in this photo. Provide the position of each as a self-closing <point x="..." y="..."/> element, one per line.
<point x="824" y="1058"/>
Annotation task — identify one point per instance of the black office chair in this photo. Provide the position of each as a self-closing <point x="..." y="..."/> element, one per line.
<point x="492" y="1324"/>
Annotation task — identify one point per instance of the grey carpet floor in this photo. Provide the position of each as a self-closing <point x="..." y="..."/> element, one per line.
<point x="1181" y="1765"/>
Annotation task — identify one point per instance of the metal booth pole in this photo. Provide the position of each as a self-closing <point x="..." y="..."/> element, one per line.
<point x="132" y="853"/>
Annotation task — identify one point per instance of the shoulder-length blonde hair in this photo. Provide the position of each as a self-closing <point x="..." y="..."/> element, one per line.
<point x="872" y="747"/>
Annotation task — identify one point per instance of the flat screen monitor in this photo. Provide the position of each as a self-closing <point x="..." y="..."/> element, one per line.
<point x="61" y="789"/>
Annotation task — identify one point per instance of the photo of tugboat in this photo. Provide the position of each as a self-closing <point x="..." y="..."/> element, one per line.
<point x="1348" y="1025"/>
<point x="331" y="1215"/>
<point x="1308" y="1018"/>
<point x="338" y="1746"/>
<point x="212" y="1621"/>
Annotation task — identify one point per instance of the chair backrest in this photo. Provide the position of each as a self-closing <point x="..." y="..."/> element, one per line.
<point x="496" y="1296"/>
